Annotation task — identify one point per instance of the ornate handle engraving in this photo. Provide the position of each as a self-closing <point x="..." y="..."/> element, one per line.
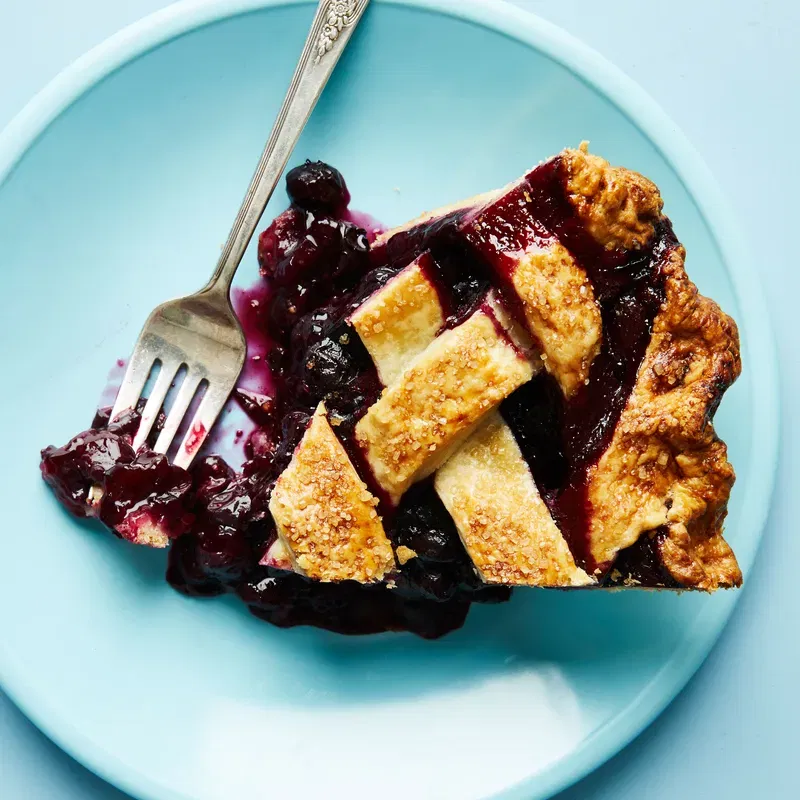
<point x="339" y="15"/>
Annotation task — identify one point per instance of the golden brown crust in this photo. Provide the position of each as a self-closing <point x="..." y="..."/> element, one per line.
<point x="664" y="470"/>
<point x="698" y="557"/>
<point x="503" y="522"/>
<point x="405" y="554"/>
<point x="439" y="398"/>
<point x="561" y="311"/>
<point x="665" y="465"/>
<point x="399" y="320"/>
<point x="325" y="515"/>
<point x="619" y="207"/>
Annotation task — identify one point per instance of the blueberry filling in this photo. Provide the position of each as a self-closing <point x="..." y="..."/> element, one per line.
<point x="641" y="564"/>
<point x="74" y="469"/>
<point x="317" y="186"/>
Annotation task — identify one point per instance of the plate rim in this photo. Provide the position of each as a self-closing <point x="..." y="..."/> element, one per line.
<point x="185" y="16"/>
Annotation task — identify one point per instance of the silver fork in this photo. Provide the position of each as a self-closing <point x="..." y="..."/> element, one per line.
<point x="201" y="331"/>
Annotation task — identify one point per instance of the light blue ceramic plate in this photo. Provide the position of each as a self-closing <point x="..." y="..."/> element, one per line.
<point x="118" y="184"/>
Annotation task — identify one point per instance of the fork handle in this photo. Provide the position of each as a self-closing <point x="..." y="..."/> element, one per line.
<point x="334" y="22"/>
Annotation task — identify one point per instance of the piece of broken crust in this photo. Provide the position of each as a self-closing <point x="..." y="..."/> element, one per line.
<point x="325" y="515"/>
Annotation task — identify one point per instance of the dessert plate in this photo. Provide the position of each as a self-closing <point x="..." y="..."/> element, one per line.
<point x="132" y="160"/>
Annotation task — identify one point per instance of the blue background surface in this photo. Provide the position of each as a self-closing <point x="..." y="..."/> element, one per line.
<point x="726" y="73"/>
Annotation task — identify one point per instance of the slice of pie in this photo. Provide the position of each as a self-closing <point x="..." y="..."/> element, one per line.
<point x="516" y="390"/>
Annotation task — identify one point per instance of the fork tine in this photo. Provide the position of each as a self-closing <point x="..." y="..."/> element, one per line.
<point x="210" y="407"/>
<point x="176" y="414"/>
<point x="156" y="399"/>
<point x="139" y="368"/>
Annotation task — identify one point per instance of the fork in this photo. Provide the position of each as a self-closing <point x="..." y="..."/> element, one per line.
<point x="200" y="332"/>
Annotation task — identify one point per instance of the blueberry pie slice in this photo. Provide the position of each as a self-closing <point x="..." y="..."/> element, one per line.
<point x="516" y="390"/>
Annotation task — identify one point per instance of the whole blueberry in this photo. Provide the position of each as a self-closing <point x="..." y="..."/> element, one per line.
<point x="316" y="186"/>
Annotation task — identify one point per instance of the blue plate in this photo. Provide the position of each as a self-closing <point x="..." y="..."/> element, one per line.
<point x="117" y="186"/>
